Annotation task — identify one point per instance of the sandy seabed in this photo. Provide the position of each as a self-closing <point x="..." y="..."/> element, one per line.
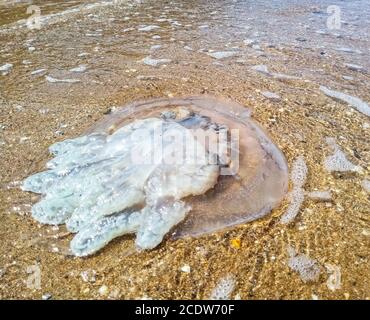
<point x="255" y="259"/>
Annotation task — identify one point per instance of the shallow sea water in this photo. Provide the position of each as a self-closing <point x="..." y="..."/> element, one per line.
<point x="88" y="59"/>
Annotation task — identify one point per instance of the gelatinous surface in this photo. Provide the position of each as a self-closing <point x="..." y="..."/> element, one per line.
<point x="260" y="183"/>
<point x="94" y="186"/>
<point x="103" y="186"/>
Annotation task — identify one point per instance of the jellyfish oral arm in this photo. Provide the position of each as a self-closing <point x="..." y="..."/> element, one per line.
<point x="93" y="185"/>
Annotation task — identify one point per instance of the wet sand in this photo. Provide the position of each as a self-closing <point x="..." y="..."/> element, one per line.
<point x="293" y="40"/>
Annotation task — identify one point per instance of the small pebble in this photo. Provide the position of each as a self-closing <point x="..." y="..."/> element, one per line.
<point x="103" y="290"/>
<point x="271" y="95"/>
<point x="354" y="67"/>
<point x="46" y="296"/>
<point x="5" y="69"/>
<point x="185" y="268"/>
<point x="236" y="243"/>
<point x="222" y="54"/>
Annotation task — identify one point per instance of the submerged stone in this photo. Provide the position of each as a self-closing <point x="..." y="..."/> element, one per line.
<point x="355" y="67"/>
<point x="222" y="54"/>
<point x="6" y="68"/>
<point x="140" y="176"/>
<point x="334" y="280"/>
<point x="38" y="72"/>
<point x="80" y="68"/>
<point x="149" y="28"/>
<point x="55" y="80"/>
<point x="155" y="62"/>
<point x="261" y="68"/>
<point x="354" y="102"/>
<point x="271" y="95"/>
<point x="324" y="195"/>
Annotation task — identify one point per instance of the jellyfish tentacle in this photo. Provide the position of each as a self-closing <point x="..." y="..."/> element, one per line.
<point x="39" y="182"/>
<point x="158" y="221"/>
<point x="122" y="191"/>
<point x="53" y="210"/>
<point x="108" y="204"/>
<point x="98" y="234"/>
<point x="70" y="145"/>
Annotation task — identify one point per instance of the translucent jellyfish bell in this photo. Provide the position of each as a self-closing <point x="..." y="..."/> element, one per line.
<point x="245" y="193"/>
<point x="132" y="173"/>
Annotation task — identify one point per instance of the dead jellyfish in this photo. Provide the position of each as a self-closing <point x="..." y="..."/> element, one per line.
<point x="183" y="167"/>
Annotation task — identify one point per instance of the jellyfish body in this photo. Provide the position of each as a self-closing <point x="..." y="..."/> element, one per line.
<point x="152" y="167"/>
<point x="102" y="186"/>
